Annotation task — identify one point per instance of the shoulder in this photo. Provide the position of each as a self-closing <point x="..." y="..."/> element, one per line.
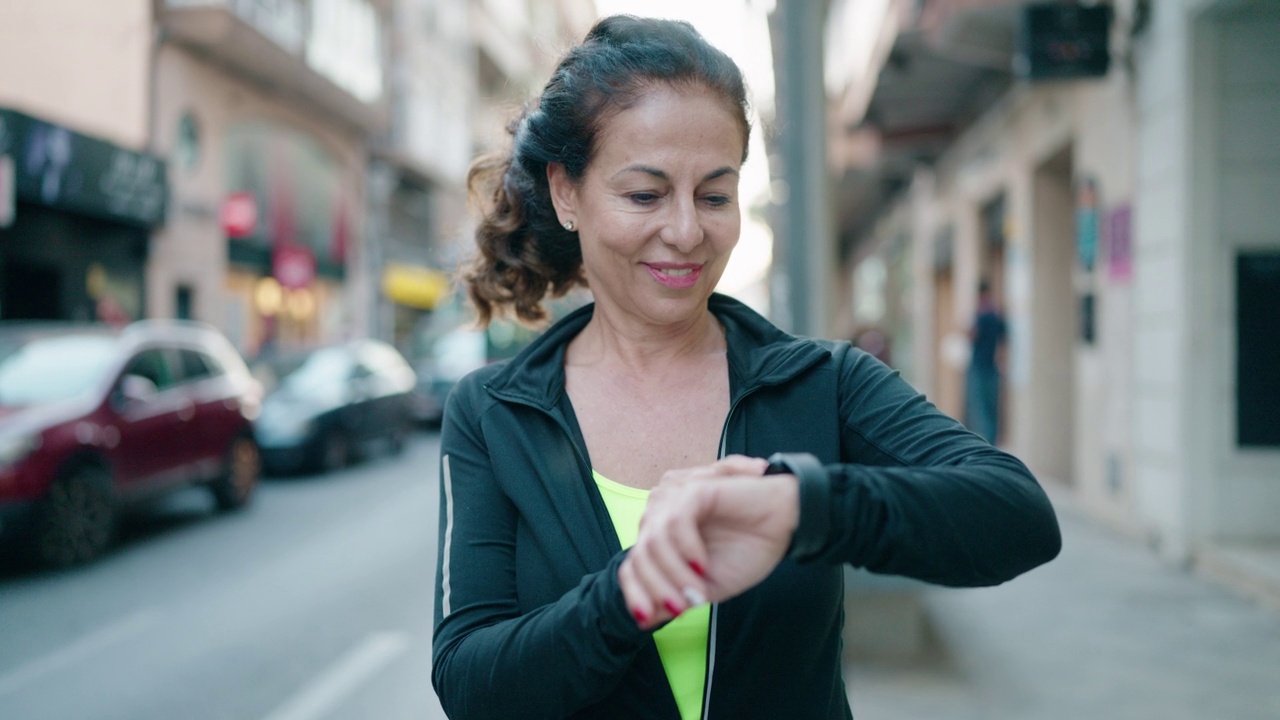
<point x="469" y="396"/>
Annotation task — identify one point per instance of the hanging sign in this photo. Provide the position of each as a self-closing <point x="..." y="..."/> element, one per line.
<point x="293" y="265"/>
<point x="239" y="215"/>
<point x="1087" y="223"/>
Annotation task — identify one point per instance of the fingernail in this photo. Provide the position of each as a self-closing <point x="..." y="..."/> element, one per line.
<point x="694" y="597"/>
<point x="671" y="607"/>
<point x="697" y="567"/>
<point x="642" y="618"/>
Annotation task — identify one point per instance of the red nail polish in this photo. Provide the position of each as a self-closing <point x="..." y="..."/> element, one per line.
<point x="671" y="607"/>
<point x="640" y="616"/>
<point x="697" y="567"/>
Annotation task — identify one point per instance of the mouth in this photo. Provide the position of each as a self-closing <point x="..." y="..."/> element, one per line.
<point x="675" y="275"/>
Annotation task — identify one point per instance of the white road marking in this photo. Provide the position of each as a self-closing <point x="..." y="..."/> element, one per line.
<point x="77" y="651"/>
<point x="340" y="679"/>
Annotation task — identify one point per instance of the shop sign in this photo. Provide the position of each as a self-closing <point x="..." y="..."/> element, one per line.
<point x="63" y="169"/>
<point x="294" y="266"/>
<point x="414" y="286"/>
<point x="7" y="197"/>
<point x="239" y="215"/>
<point x="1120" y="244"/>
<point x="1063" y="40"/>
<point x="1087" y="223"/>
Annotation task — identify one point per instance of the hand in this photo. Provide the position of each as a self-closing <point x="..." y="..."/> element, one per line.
<point x="708" y="534"/>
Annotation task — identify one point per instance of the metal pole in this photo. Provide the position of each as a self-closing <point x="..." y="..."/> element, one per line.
<point x="802" y="107"/>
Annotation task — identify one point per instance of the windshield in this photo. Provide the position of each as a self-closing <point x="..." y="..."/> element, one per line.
<point x="324" y="371"/>
<point x="52" y="369"/>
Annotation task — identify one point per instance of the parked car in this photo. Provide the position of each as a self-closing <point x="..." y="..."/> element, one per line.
<point x="93" y="419"/>
<point x="451" y="344"/>
<point x="327" y="407"/>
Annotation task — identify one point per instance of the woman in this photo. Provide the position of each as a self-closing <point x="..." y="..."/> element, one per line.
<point x="665" y="399"/>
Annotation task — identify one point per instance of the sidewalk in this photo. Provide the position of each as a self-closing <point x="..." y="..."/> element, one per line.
<point x="1105" y="631"/>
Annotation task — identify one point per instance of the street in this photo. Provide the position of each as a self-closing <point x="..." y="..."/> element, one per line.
<point x="315" y="602"/>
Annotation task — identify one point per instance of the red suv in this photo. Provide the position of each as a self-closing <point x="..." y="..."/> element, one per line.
<point x="93" y="419"/>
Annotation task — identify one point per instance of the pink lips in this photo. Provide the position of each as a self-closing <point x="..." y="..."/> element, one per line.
<point x="685" y="274"/>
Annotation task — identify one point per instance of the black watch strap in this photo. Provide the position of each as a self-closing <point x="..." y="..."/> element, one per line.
<point x="815" y="519"/>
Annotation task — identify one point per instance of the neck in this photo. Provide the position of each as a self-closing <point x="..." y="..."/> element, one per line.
<point x="638" y="346"/>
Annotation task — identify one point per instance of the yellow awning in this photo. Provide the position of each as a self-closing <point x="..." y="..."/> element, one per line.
<point x="414" y="286"/>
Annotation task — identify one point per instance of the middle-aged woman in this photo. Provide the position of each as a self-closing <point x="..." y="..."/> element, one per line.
<point x="621" y="471"/>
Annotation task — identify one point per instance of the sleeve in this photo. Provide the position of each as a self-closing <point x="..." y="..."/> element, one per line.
<point x="490" y="661"/>
<point x="917" y="494"/>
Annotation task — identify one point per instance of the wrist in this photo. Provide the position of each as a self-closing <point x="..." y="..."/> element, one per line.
<point x="812" y="499"/>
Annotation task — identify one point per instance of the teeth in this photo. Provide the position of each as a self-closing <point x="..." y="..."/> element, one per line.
<point x="677" y="273"/>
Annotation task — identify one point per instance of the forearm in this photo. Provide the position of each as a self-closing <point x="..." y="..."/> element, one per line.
<point x="917" y="494"/>
<point x="548" y="663"/>
<point x="966" y="525"/>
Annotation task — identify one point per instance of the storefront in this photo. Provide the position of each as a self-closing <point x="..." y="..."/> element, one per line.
<point x="75" y="216"/>
<point x="288" y="240"/>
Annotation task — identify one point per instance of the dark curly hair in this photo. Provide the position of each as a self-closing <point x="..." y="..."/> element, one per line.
<point x="523" y="253"/>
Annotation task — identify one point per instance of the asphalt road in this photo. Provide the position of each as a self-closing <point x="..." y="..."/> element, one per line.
<point x="316" y="602"/>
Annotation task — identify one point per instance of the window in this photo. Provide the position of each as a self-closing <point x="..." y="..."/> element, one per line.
<point x="196" y="366"/>
<point x="151" y="364"/>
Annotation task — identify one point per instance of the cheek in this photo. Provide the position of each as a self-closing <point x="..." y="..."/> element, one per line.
<point x="727" y="233"/>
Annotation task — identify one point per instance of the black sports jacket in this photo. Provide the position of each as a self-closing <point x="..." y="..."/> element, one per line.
<point x="530" y="620"/>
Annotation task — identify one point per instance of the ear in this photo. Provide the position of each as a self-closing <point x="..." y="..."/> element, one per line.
<point x="564" y="193"/>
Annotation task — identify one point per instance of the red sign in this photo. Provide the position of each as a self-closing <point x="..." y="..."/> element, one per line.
<point x="239" y="215"/>
<point x="294" y="266"/>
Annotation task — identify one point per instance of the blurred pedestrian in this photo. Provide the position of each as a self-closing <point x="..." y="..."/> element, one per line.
<point x="982" y="383"/>
<point x="618" y="538"/>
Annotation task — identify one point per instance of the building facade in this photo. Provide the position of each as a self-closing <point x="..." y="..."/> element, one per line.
<point x="79" y="191"/>
<point x="1121" y="217"/>
<point x="265" y="110"/>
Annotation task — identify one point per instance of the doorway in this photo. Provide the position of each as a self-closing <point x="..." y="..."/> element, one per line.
<point x="948" y="344"/>
<point x="1051" y="408"/>
<point x="30" y="291"/>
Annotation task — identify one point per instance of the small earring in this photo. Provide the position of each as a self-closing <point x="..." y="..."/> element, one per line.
<point x="568" y="225"/>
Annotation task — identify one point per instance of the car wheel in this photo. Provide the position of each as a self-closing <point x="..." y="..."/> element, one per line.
<point x="399" y="438"/>
<point x="337" y="452"/>
<point x="244" y="467"/>
<point x="77" y="520"/>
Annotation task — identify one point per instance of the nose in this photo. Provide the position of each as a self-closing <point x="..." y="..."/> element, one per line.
<point x="683" y="229"/>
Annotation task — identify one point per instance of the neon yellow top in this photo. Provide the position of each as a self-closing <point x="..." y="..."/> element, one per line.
<point x="682" y="643"/>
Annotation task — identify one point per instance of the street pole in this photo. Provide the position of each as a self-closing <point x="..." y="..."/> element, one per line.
<point x="805" y="231"/>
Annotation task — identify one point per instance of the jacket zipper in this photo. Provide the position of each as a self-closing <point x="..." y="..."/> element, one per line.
<point x="715" y="607"/>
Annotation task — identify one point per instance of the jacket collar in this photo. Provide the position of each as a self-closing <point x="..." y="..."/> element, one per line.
<point x="759" y="354"/>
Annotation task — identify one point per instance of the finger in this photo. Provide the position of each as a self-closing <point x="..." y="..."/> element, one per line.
<point x="741" y="465"/>
<point x="634" y="594"/>
<point x="664" y="592"/>
<point x="677" y="553"/>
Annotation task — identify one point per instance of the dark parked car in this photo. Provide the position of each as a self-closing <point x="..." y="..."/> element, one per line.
<point x="450" y="346"/>
<point x="326" y="407"/>
<point x="94" y="419"/>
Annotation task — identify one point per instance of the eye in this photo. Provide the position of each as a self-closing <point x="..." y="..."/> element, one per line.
<point x="717" y="200"/>
<point x="644" y="198"/>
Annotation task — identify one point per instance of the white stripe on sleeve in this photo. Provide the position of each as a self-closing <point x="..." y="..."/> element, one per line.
<point x="448" y="536"/>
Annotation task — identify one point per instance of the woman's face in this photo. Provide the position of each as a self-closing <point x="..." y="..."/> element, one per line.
<point x="657" y="209"/>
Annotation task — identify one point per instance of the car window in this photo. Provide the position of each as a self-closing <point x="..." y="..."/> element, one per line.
<point x="324" y="368"/>
<point x="54" y="368"/>
<point x="197" y="366"/>
<point x="152" y="365"/>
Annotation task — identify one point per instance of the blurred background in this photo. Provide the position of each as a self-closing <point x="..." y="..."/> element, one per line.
<point x="228" y="320"/>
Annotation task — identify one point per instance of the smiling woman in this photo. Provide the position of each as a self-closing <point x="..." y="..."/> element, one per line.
<point x="613" y="542"/>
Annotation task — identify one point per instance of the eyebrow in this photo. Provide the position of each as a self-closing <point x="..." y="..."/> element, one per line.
<point x="662" y="175"/>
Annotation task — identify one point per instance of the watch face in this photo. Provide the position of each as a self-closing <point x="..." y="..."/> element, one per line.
<point x="188" y="145"/>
